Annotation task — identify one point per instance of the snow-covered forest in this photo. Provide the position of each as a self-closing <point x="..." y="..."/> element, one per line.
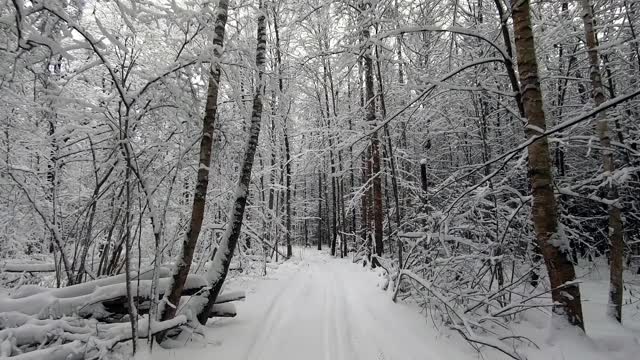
<point x="297" y="179"/>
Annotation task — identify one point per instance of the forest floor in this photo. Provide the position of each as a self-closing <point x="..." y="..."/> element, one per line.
<point x="317" y="307"/>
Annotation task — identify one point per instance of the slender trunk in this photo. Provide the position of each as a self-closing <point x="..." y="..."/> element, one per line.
<point x="506" y="37"/>
<point x="306" y="215"/>
<point x="288" y="190"/>
<point x="52" y="170"/>
<point x="565" y="292"/>
<point x="616" y="238"/>
<point x="424" y="183"/>
<point x="366" y="197"/>
<point x="327" y="237"/>
<point x="287" y="148"/>
<point x="325" y="87"/>
<point x="377" y="216"/>
<point x="92" y="214"/>
<point x="392" y="162"/>
<point x="272" y="193"/>
<point x="562" y="91"/>
<point x="364" y="218"/>
<point x="334" y="209"/>
<point x="219" y="267"/>
<point x="319" y="210"/>
<point x="133" y="312"/>
<point x="190" y="240"/>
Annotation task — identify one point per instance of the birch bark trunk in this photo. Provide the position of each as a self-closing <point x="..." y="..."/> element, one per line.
<point x="219" y="267"/>
<point x="565" y="292"/>
<point x="183" y="264"/>
<point x="616" y="236"/>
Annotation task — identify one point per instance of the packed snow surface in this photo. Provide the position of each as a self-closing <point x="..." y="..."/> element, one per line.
<point x="315" y="307"/>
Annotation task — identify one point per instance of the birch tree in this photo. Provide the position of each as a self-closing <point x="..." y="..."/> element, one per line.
<point x="615" y="231"/>
<point x="190" y="240"/>
<point x="219" y="267"/>
<point x="549" y="237"/>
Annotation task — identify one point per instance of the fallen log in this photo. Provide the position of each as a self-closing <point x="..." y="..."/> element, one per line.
<point x="15" y="267"/>
<point x="223" y="310"/>
<point x="60" y="302"/>
<point x="230" y="296"/>
<point x="29" y="333"/>
<point x="87" y="287"/>
<point x="119" y="306"/>
<point x="75" y="350"/>
<point x="80" y="346"/>
<point x="15" y="319"/>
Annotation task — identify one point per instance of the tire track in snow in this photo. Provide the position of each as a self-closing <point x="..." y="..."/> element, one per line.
<point x="344" y="333"/>
<point x="327" y="320"/>
<point x="378" y="317"/>
<point x="273" y="316"/>
<point x="321" y="308"/>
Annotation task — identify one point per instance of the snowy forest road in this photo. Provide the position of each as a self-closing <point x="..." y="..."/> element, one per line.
<point x="325" y="309"/>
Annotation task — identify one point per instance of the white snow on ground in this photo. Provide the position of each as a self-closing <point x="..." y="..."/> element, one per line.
<point x="607" y="339"/>
<point x="316" y="307"/>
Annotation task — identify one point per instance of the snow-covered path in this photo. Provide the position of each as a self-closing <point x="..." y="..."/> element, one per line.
<point x="317" y="307"/>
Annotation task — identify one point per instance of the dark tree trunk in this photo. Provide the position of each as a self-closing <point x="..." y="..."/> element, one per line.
<point x="565" y="292"/>
<point x="220" y="265"/>
<point x="615" y="231"/>
<point x="319" y="210"/>
<point x="200" y="196"/>
<point x="287" y="147"/>
<point x="374" y="174"/>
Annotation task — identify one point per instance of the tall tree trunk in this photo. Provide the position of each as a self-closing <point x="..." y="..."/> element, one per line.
<point x="364" y="218"/>
<point x="319" y="210"/>
<point x="616" y="238"/>
<point x="183" y="264"/>
<point x="334" y="179"/>
<point x="288" y="189"/>
<point x="352" y="180"/>
<point x="325" y="87"/>
<point x="326" y="213"/>
<point x="377" y="216"/>
<point x="392" y="162"/>
<point x="305" y="212"/>
<point x="424" y="182"/>
<point x="219" y="267"/>
<point x="565" y="292"/>
<point x="287" y="147"/>
<point x="366" y="200"/>
<point x="132" y="309"/>
<point x="52" y="72"/>
<point x="506" y="37"/>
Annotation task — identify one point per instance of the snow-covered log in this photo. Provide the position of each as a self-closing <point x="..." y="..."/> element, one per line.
<point x="16" y="267"/>
<point x="78" y="299"/>
<point x="223" y="310"/>
<point x="87" y="287"/>
<point x="119" y="305"/>
<point x="230" y="296"/>
<point x="75" y="350"/>
<point x="41" y="333"/>
<point x="74" y="342"/>
<point x="14" y="319"/>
